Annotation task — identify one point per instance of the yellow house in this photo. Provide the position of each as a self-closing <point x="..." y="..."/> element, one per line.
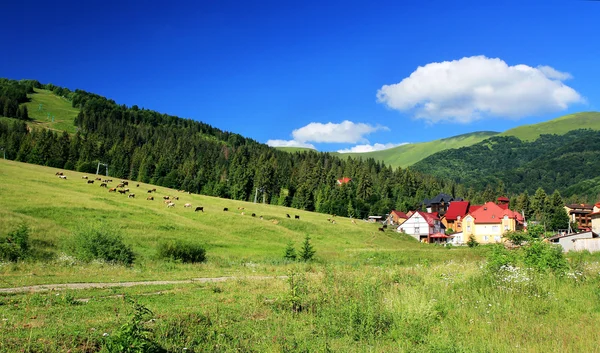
<point x="488" y="223"/>
<point x="595" y="218"/>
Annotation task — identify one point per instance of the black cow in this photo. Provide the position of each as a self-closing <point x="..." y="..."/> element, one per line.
<point x="225" y="209"/>
<point x="254" y="215"/>
<point x="296" y="217"/>
<point x="199" y="208"/>
<point x="288" y="215"/>
<point x="381" y="229"/>
<point x="90" y="181"/>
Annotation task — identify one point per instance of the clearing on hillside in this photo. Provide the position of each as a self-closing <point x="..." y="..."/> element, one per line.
<point x="45" y="106"/>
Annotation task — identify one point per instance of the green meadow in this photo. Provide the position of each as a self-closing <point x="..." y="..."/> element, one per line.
<point x="45" y="105"/>
<point x="364" y="291"/>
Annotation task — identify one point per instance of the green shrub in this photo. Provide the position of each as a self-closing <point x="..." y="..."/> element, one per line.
<point x="290" y="252"/>
<point x="472" y="242"/>
<point x="182" y="251"/>
<point x="100" y="243"/>
<point x="545" y="256"/>
<point x="16" y="244"/>
<point x="517" y="237"/>
<point x="499" y="257"/>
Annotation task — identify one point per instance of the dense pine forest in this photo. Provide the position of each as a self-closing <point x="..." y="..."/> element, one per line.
<point x="148" y="146"/>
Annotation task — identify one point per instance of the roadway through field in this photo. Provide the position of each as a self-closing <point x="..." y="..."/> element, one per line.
<point x="61" y="286"/>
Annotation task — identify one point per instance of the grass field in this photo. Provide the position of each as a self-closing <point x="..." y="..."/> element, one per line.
<point x="294" y="149"/>
<point x="64" y="114"/>
<point x="366" y="290"/>
<point x="559" y="126"/>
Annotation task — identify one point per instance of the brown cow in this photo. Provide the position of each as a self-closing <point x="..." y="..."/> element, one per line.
<point x="150" y="198"/>
<point x="59" y="173"/>
<point x="121" y="185"/>
<point x="112" y="190"/>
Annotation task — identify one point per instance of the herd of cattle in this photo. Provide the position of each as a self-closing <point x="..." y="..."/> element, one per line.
<point x="123" y="188"/>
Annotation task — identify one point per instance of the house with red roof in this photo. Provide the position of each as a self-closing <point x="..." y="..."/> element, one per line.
<point x="396" y="217"/>
<point x="343" y="181"/>
<point x="489" y="222"/>
<point x="421" y="226"/>
<point x="455" y="215"/>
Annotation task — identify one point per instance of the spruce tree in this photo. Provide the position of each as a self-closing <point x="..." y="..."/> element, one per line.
<point x="290" y="252"/>
<point x="307" y="252"/>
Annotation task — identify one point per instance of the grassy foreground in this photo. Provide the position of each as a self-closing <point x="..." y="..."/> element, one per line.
<point x="367" y="291"/>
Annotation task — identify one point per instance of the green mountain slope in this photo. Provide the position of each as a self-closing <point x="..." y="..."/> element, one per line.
<point x="294" y="149"/>
<point x="559" y="126"/>
<point x="44" y="105"/>
<point x="406" y="155"/>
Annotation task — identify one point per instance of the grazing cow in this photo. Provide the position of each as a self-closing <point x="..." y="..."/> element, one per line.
<point x="137" y="186"/>
<point x="170" y="204"/>
<point x="64" y="177"/>
<point x="131" y="196"/>
<point x="121" y="186"/>
<point x="240" y="208"/>
<point x="381" y="229"/>
<point x="149" y="191"/>
<point x="328" y="219"/>
<point x="165" y="197"/>
<point x="90" y="181"/>
<point x="124" y="182"/>
<point x="154" y="190"/>
<point x="225" y="209"/>
<point x="176" y="198"/>
<point x="296" y="217"/>
<point x="187" y="205"/>
<point x="199" y="208"/>
<point x="288" y="215"/>
<point x="126" y="189"/>
<point x="261" y="218"/>
<point x="242" y="213"/>
<point x="59" y="173"/>
<point x="84" y="177"/>
<point x="100" y="179"/>
<point x="104" y="185"/>
<point x="112" y="190"/>
<point x="254" y="215"/>
<point x="150" y="198"/>
<point x="333" y="221"/>
<point x="122" y="192"/>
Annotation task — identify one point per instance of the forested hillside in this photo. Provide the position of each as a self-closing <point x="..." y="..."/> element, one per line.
<point x="553" y="162"/>
<point x="148" y="146"/>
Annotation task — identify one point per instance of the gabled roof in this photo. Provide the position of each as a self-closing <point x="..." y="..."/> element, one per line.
<point x="474" y="208"/>
<point x="492" y="213"/>
<point x="430" y="218"/>
<point x="439" y="198"/>
<point x="582" y="206"/>
<point x="399" y="214"/>
<point x="457" y="209"/>
<point x="344" y="180"/>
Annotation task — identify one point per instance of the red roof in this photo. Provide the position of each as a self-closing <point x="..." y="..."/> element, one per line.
<point x="474" y="208"/>
<point x="492" y="213"/>
<point x="457" y="209"/>
<point x="503" y="206"/>
<point x="439" y="235"/>
<point x="429" y="217"/>
<point x="344" y="180"/>
<point x="399" y="214"/>
<point x="503" y="199"/>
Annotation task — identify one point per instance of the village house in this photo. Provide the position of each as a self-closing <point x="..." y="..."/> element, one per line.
<point x="580" y="213"/>
<point x="570" y="242"/>
<point x="396" y="217"/>
<point x="455" y="215"/>
<point x="422" y="226"/>
<point x="489" y="222"/>
<point x="595" y="218"/>
<point x="439" y="203"/>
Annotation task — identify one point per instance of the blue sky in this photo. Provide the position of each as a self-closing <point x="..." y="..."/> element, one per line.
<point x="330" y="74"/>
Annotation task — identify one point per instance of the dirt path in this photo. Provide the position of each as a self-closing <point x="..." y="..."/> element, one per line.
<point x="61" y="286"/>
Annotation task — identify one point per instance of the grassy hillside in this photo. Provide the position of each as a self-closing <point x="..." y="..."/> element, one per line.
<point x="60" y="108"/>
<point x="559" y="126"/>
<point x="367" y="290"/>
<point x="56" y="208"/>
<point x="406" y="155"/>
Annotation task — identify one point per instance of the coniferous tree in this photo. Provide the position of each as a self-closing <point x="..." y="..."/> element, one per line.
<point x="307" y="252"/>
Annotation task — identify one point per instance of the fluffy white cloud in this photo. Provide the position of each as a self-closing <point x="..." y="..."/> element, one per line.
<point x="475" y="87"/>
<point x="371" y="148"/>
<point x="344" y="132"/>
<point x="289" y="143"/>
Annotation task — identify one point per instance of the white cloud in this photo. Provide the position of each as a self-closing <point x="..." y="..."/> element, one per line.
<point x="476" y="87"/>
<point x="344" y="132"/>
<point x="289" y="143"/>
<point x="371" y="148"/>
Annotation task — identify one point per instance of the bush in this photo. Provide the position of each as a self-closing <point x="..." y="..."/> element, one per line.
<point x="290" y="252"/>
<point x="500" y="257"/>
<point x="181" y="251"/>
<point x="16" y="244"/>
<point x="472" y="242"/>
<point x="100" y="243"/>
<point x="545" y="256"/>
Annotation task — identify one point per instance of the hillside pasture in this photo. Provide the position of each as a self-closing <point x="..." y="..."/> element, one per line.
<point x="44" y="102"/>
